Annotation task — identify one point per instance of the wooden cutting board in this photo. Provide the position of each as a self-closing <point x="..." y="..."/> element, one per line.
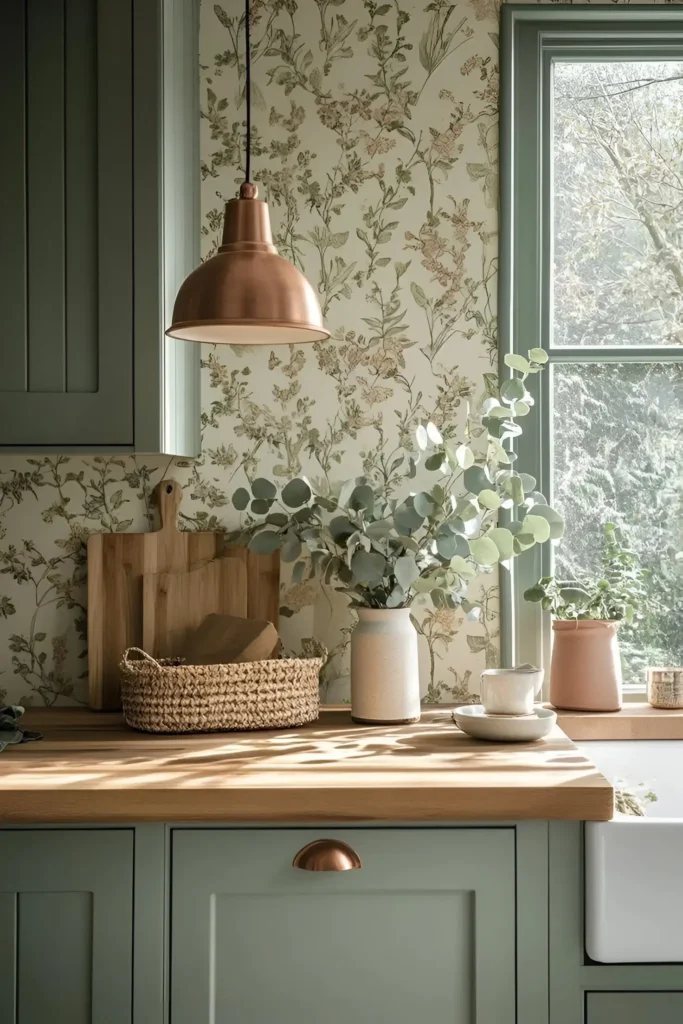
<point x="175" y="604"/>
<point x="118" y="561"/>
<point x="224" y="638"/>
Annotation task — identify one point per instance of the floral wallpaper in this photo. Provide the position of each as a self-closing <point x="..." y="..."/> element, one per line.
<point x="375" y="142"/>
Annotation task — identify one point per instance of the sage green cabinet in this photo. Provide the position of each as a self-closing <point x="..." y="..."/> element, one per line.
<point x="634" y="1007"/>
<point x="66" y="926"/>
<point x="424" y="931"/>
<point x="100" y="223"/>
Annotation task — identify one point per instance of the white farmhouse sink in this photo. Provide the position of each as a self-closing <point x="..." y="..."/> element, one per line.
<point x="634" y="866"/>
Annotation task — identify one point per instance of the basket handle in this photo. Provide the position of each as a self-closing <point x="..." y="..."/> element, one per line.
<point x="145" y="655"/>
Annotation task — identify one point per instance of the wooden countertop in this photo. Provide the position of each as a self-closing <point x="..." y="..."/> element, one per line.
<point x="90" y="768"/>
<point x="633" y="722"/>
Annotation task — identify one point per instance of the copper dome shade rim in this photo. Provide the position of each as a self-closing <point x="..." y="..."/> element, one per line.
<point x="293" y="325"/>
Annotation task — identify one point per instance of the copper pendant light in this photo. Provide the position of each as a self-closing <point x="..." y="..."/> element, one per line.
<point x="246" y="294"/>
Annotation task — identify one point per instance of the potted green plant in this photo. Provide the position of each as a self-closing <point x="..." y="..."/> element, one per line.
<point x="585" y="668"/>
<point x="385" y="551"/>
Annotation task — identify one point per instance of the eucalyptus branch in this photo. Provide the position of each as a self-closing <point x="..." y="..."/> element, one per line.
<point x="384" y="551"/>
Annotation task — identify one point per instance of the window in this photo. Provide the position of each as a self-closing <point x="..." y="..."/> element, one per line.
<point x="592" y="271"/>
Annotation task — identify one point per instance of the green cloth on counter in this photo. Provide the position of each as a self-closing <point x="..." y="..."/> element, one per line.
<point x="10" y="730"/>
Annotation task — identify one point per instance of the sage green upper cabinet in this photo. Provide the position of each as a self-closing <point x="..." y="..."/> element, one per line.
<point x="100" y="224"/>
<point x="423" y="932"/>
<point x="66" y="926"/>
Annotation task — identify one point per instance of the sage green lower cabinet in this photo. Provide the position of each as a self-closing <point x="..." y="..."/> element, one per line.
<point x="66" y="926"/>
<point x="634" y="1007"/>
<point x="423" y="932"/>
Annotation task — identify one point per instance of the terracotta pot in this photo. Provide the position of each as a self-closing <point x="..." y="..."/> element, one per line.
<point x="585" y="669"/>
<point x="385" y="682"/>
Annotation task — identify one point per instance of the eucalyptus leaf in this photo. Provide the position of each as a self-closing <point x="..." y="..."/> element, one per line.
<point x="380" y="529"/>
<point x="422" y="437"/>
<point x="407" y="518"/>
<point x="368" y="567"/>
<point x="277" y="519"/>
<point x="291" y="548"/>
<point x="362" y="499"/>
<point x="538" y="355"/>
<point x="341" y="528"/>
<point x="488" y="404"/>
<point x="265" y="542"/>
<point x="262" y="488"/>
<point x="464" y="456"/>
<point x="434" y="434"/>
<point x="296" y="493"/>
<point x="521" y="408"/>
<point x="467" y="510"/>
<point x="489" y="499"/>
<point x="538" y="527"/>
<point x="499" y="412"/>
<point x="260" y="506"/>
<point x="425" y="584"/>
<point x="424" y="504"/>
<point x="554" y="519"/>
<point x="464" y="569"/>
<point x="484" y="551"/>
<point x="517" y="362"/>
<point x="298" y="572"/>
<point x="492" y="427"/>
<point x="462" y="546"/>
<point x="396" y="598"/>
<point x="512" y="390"/>
<point x="523" y="541"/>
<point x="241" y="499"/>
<point x="406" y="571"/>
<point x="344" y="573"/>
<point x="447" y="545"/>
<point x="434" y="462"/>
<point x="475" y="479"/>
<point x="514" y="488"/>
<point x="503" y="540"/>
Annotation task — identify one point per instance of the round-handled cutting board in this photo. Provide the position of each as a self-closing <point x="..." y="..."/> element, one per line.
<point x="117" y="563"/>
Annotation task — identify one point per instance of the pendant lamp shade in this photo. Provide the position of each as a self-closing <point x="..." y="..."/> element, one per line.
<point x="246" y="294"/>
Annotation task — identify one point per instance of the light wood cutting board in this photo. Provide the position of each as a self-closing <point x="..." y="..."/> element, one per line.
<point x="116" y="565"/>
<point x="174" y="604"/>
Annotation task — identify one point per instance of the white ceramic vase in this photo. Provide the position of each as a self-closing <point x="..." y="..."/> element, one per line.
<point x="385" y="682"/>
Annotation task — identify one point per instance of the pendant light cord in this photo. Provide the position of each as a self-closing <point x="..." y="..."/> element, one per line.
<point x="247" y="87"/>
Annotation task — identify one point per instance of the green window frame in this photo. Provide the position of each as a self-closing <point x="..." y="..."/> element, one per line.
<point x="532" y="38"/>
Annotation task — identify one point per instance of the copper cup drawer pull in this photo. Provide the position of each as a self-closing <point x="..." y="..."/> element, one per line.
<point x="327" y="855"/>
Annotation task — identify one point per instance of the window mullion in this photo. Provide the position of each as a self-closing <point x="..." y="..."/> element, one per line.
<point x="612" y="354"/>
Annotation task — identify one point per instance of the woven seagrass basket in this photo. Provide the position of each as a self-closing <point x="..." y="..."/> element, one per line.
<point x="169" y="696"/>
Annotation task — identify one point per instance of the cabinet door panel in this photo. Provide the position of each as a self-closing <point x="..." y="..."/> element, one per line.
<point x="634" y="1007"/>
<point x="13" y="192"/>
<point x="416" y="934"/>
<point x="66" y="925"/>
<point x="67" y="202"/>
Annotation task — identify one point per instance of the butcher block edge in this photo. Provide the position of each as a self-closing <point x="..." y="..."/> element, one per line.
<point x="90" y="767"/>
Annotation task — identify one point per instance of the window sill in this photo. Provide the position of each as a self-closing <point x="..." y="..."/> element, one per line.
<point x="633" y="722"/>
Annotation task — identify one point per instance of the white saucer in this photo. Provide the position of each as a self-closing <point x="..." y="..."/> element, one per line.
<point x="473" y="720"/>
